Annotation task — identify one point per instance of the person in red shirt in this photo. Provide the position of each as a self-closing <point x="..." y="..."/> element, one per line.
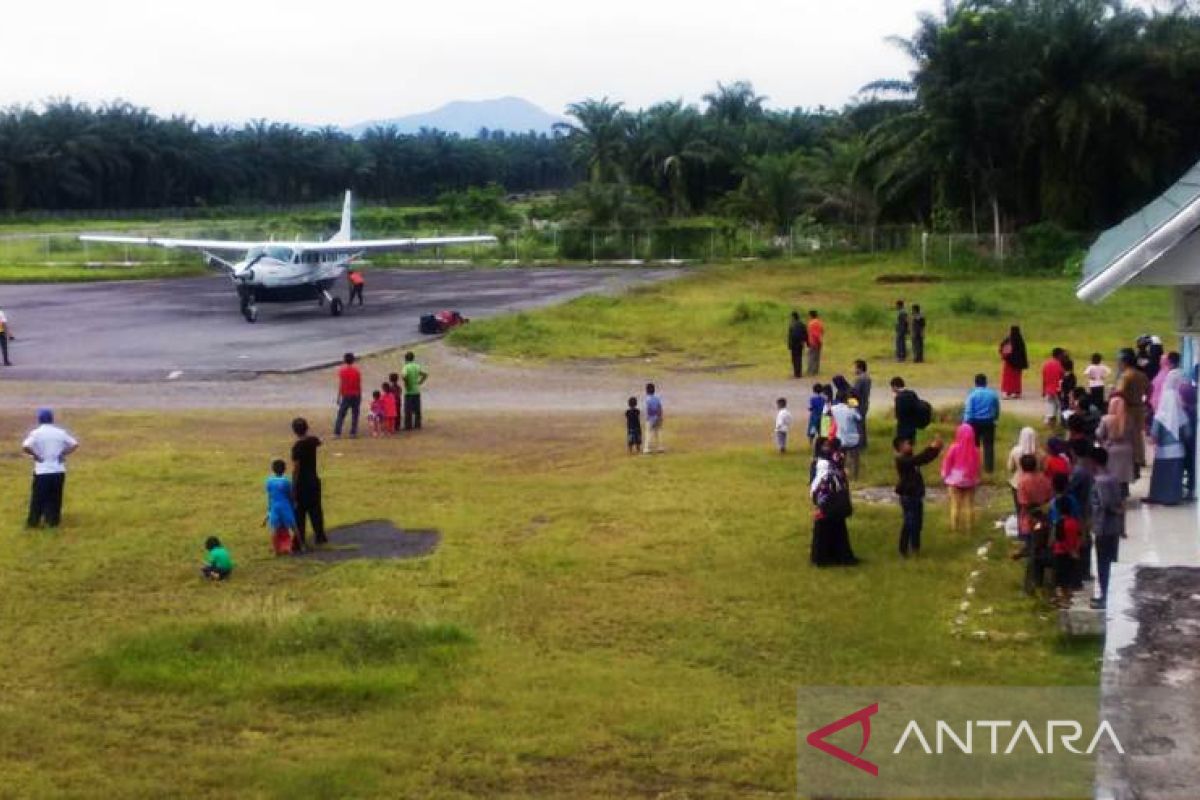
<point x="816" y="340"/>
<point x="355" y="277"/>
<point x="349" y="396"/>
<point x="1052" y="375"/>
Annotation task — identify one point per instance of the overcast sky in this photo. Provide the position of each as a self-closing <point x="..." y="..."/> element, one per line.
<point x="345" y="61"/>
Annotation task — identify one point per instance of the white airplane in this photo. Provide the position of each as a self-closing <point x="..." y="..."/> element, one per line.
<point x="290" y="272"/>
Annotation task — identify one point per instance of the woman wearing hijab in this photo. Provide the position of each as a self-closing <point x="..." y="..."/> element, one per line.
<point x="1168" y="431"/>
<point x="1014" y="360"/>
<point x="1115" y="434"/>
<point x="960" y="473"/>
<point x="1027" y="445"/>
<point x="830" y="492"/>
<point x="1160" y="380"/>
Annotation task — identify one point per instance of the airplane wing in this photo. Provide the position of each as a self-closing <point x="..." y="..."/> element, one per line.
<point x="383" y="245"/>
<point x="186" y="244"/>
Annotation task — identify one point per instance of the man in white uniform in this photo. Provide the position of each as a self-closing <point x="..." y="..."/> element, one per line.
<point x="48" y="445"/>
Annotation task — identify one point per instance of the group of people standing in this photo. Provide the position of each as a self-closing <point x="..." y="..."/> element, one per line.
<point x="394" y="406"/>
<point x="910" y="325"/>
<point x="802" y="335"/>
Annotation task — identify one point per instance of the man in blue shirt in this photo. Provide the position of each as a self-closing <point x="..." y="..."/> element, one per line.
<point x="981" y="411"/>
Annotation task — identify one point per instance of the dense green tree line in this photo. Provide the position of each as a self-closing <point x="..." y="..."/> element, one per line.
<point x="70" y="156"/>
<point x="1016" y="112"/>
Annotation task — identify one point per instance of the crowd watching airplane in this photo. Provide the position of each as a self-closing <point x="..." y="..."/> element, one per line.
<point x="291" y="272"/>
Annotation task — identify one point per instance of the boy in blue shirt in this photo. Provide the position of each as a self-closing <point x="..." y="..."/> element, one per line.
<point x="816" y="407"/>
<point x="654" y="421"/>
<point x="281" y="514"/>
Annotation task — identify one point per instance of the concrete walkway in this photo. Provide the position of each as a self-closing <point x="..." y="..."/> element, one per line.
<point x="1150" y="679"/>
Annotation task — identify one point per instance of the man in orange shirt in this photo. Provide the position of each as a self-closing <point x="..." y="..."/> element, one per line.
<point x="356" y="286"/>
<point x="349" y="396"/>
<point x="816" y="339"/>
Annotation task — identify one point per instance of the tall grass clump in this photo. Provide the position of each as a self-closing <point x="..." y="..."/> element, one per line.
<point x="303" y="661"/>
<point x="966" y="305"/>
<point x="751" y="312"/>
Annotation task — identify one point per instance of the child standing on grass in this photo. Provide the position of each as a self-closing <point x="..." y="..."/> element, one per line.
<point x="1065" y="525"/>
<point x="783" y="424"/>
<point x="375" y="414"/>
<point x="398" y="391"/>
<point x="1097" y="374"/>
<point x="633" y="427"/>
<point x="960" y="473"/>
<point x="816" y="407"/>
<point x="390" y="402"/>
<point x="218" y="564"/>
<point x="654" y="421"/>
<point x="281" y="514"/>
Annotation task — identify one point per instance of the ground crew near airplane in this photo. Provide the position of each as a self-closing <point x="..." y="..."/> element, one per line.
<point x="356" y="286"/>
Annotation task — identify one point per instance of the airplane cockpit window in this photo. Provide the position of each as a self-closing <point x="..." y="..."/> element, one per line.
<point x="283" y="254"/>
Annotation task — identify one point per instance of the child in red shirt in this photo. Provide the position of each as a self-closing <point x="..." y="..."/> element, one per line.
<point x="390" y="410"/>
<point x="1057" y="462"/>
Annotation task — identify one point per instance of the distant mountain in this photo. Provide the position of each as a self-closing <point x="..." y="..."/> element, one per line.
<point x="466" y="117"/>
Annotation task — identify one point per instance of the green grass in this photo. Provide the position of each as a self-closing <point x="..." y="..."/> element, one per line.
<point x="592" y="625"/>
<point x="738" y="315"/>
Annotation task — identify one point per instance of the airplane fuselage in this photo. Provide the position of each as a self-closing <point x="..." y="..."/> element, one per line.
<point x="287" y="274"/>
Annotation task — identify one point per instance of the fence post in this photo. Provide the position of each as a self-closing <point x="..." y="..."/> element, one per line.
<point x="593" y="246"/>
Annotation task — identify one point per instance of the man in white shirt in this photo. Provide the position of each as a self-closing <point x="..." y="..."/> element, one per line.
<point x="5" y="335"/>
<point x="783" y="424"/>
<point x="48" y="445"/>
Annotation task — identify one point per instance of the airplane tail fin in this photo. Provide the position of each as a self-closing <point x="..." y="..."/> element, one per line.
<point x="345" y="233"/>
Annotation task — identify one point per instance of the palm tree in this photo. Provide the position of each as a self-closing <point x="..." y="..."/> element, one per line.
<point x="675" y="147"/>
<point x="735" y="104"/>
<point x="774" y="189"/>
<point x="598" y="138"/>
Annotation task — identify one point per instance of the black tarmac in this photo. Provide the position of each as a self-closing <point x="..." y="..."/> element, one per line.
<point x="191" y="329"/>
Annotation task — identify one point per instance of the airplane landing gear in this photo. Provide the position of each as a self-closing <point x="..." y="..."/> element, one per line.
<point x="335" y="303"/>
<point x="249" y="309"/>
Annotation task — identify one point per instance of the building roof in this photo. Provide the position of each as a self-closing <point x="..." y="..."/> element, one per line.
<point x="1126" y="252"/>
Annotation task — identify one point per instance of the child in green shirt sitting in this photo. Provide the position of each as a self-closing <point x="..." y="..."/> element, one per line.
<point x="218" y="564"/>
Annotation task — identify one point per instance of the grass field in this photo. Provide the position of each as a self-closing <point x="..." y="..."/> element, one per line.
<point x="734" y="319"/>
<point x="591" y="625"/>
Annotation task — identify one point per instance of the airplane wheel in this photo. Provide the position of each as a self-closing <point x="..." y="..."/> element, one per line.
<point x="335" y="308"/>
<point x="251" y="314"/>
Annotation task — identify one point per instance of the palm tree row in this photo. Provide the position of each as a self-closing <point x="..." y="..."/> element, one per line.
<point x="70" y="156"/>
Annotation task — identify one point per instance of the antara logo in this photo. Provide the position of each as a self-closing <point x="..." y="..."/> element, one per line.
<point x="1066" y="733"/>
<point x="861" y="717"/>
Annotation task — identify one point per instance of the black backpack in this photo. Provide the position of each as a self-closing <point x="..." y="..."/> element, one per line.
<point x="924" y="416"/>
<point x="429" y="324"/>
